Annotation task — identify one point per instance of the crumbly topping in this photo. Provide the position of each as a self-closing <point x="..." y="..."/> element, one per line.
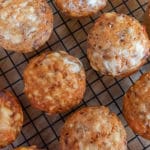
<point x="73" y="67"/>
<point x="117" y="43"/>
<point x="93" y="128"/>
<point x="137" y="106"/>
<point x="94" y="3"/>
<point x="54" y="81"/>
<point x="5" y="118"/>
<point x="17" y="16"/>
<point x="81" y="7"/>
<point x="11" y="118"/>
<point x="23" y="21"/>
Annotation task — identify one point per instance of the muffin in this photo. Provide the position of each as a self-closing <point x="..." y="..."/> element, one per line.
<point x="54" y="82"/>
<point x="136" y="106"/>
<point x="93" y="128"/>
<point x="25" y="25"/>
<point x="11" y="118"/>
<point x="117" y="45"/>
<point x="80" y="8"/>
<point x="27" y="148"/>
<point x="147" y="19"/>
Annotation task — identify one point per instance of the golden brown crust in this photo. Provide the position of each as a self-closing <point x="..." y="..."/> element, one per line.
<point x="117" y="45"/>
<point x="136" y="106"/>
<point x="147" y="19"/>
<point x="93" y="128"/>
<point x="11" y="118"/>
<point x="25" y="25"/>
<point x="27" y="148"/>
<point x="54" y="82"/>
<point x="80" y="8"/>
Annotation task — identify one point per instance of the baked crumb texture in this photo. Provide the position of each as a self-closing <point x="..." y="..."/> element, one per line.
<point x="25" y="25"/>
<point x="136" y="106"/>
<point x="11" y="118"/>
<point x="27" y="148"/>
<point x="117" y="45"/>
<point x="80" y="8"/>
<point x="54" y="82"/>
<point x="93" y="128"/>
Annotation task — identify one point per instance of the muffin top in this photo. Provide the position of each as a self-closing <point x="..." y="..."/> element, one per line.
<point x="54" y="82"/>
<point x="25" y="25"/>
<point x="117" y="45"/>
<point x="80" y="8"/>
<point x="136" y="106"/>
<point x="11" y="118"/>
<point x="93" y="128"/>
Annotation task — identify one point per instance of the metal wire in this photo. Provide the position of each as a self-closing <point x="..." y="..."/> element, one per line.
<point x="43" y="130"/>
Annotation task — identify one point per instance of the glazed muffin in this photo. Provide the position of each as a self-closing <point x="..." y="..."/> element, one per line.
<point x="93" y="128"/>
<point x="27" y="148"/>
<point x="25" y="25"/>
<point x="147" y="19"/>
<point x="117" y="45"/>
<point x="136" y="106"/>
<point x="54" y="82"/>
<point x="80" y="8"/>
<point x="11" y="118"/>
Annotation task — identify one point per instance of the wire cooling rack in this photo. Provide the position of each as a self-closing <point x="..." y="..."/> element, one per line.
<point x="70" y="35"/>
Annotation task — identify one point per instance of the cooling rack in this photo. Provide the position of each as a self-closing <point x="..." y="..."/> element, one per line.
<point x="70" y="35"/>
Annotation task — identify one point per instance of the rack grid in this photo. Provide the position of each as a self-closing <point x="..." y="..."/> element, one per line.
<point x="70" y="35"/>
